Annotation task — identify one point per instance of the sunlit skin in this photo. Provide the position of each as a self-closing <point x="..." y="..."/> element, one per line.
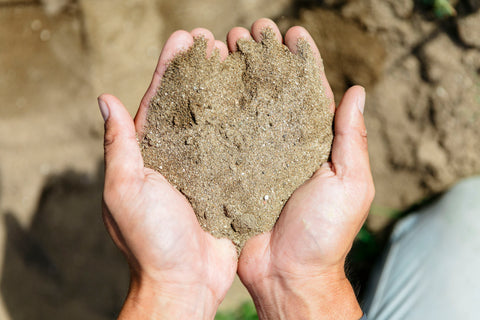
<point x="178" y="271"/>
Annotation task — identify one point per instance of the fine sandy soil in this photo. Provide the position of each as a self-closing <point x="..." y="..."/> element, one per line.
<point x="238" y="137"/>
<point x="56" y="262"/>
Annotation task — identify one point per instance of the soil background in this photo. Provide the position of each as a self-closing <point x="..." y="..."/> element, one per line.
<point x="422" y="76"/>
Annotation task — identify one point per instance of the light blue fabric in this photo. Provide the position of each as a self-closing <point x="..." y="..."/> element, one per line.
<point x="431" y="269"/>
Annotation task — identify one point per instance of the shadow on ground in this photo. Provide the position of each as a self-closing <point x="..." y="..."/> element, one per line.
<point x="64" y="266"/>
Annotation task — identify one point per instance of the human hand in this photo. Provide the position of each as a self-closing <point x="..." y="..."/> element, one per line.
<point x="296" y="271"/>
<point x="178" y="271"/>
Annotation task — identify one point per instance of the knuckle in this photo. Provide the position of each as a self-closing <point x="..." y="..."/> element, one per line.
<point x="358" y="135"/>
<point x="109" y="138"/>
<point x="362" y="138"/>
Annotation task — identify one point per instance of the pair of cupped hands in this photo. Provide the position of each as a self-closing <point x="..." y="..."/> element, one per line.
<point x="179" y="271"/>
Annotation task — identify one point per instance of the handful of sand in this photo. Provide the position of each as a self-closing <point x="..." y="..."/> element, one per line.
<point x="238" y="137"/>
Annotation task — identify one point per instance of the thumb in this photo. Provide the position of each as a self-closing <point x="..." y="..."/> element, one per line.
<point x="123" y="160"/>
<point x="349" y="149"/>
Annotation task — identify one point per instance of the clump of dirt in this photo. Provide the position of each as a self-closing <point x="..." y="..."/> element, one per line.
<point x="238" y="137"/>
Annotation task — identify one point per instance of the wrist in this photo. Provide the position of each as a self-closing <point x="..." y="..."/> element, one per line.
<point x="329" y="296"/>
<point x="148" y="299"/>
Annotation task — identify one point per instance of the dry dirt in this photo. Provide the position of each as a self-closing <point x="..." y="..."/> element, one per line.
<point x="56" y="56"/>
<point x="238" y="137"/>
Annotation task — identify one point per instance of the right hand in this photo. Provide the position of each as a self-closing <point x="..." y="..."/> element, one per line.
<point x="297" y="269"/>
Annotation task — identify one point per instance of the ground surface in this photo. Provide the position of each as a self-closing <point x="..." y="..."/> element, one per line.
<point x="56" y="56"/>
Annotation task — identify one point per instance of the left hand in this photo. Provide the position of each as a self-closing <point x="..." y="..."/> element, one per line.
<point x="178" y="271"/>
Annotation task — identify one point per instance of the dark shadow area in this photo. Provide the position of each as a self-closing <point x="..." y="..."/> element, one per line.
<point x="64" y="266"/>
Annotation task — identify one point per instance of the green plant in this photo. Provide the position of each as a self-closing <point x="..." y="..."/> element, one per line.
<point x="441" y="8"/>
<point x="245" y="312"/>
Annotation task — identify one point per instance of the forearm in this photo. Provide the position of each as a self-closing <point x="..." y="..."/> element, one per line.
<point x="150" y="302"/>
<point x="319" y="298"/>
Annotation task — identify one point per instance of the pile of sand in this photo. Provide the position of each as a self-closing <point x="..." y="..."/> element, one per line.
<point x="238" y="137"/>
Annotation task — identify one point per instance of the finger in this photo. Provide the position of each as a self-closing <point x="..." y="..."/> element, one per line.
<point x="201" y="32"/>
<point x="236" y="34"/>
<point x="259" y="26"/>
<point x="291" y="40"/>
<point x="177" y="42"/>
<point x="222" y="49"/>
<point x="123" y="160"/>
<point x="349" y="149"/>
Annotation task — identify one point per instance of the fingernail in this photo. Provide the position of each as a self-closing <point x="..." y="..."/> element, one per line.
<point x="103" y="109"/>
<point x="361" y="101"/>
